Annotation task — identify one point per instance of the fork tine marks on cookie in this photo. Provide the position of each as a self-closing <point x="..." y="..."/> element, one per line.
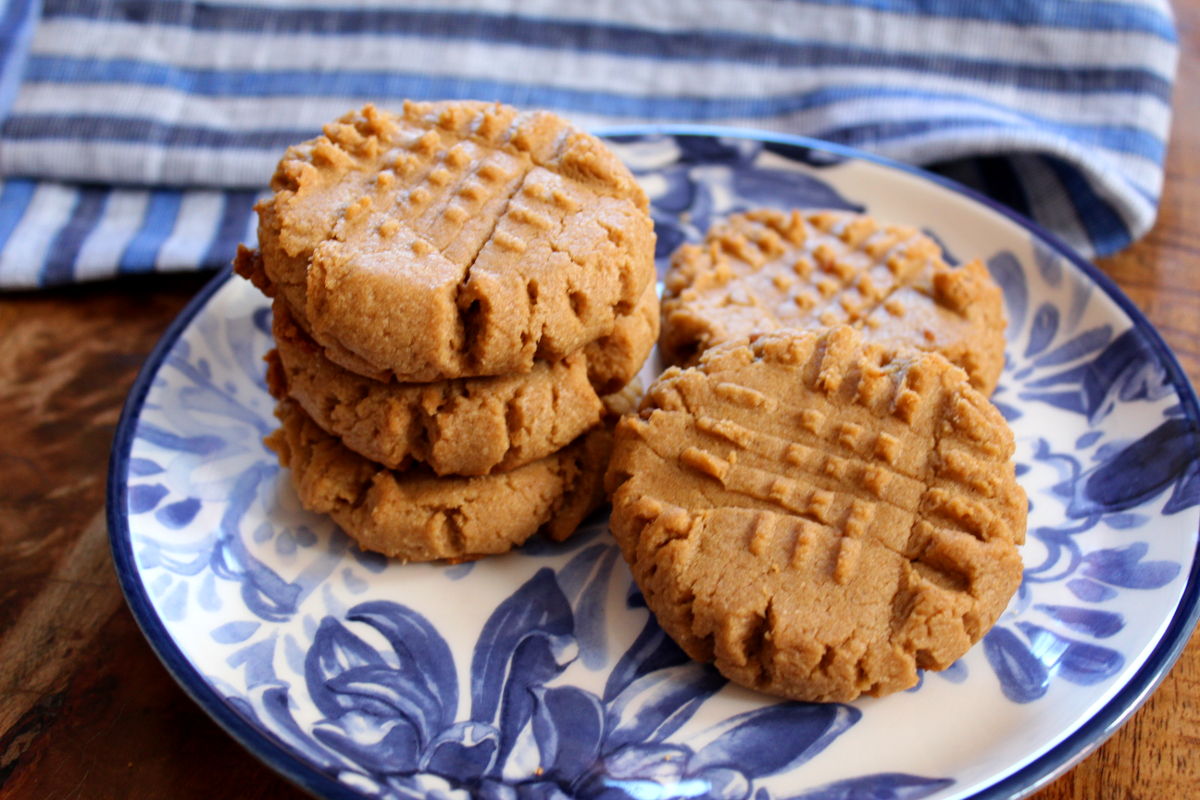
<point x="836" y="544"/>
<point x="817" y="269"/>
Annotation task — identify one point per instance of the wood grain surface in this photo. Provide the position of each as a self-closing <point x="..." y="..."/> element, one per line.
<point x="87" y="711"/>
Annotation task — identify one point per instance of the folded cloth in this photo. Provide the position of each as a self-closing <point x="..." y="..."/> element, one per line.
<point x="135" y="134"/>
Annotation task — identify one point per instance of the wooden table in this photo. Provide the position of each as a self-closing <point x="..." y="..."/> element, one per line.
<point x="87" y="711"/>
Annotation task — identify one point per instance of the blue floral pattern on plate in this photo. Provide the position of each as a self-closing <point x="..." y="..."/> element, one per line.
<point x="541" y="674"/>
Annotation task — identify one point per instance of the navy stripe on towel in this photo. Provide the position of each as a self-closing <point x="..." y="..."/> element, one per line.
<point x="64" y="249"/>
<point x="236" y="209"/>
<point x="142" y="252"/>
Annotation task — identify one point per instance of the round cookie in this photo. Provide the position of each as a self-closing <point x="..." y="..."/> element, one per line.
<point x="416" y="516"/>
<point x="767" y="269"/>
<point x="455" y="239"/>
<point x="612" y="360"/>
<point x="819" y="516"/>
<point x="467" y="426"/>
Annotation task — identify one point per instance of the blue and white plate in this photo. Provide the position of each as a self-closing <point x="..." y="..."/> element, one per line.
<point x="541" y="675"/>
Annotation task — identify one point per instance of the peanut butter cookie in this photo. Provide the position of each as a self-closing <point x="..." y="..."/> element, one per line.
<point x="768" y="269"/>
<point x="612" y="360"/>
<point x="417" y="516"/>
<point x="467" y="426"/>
<point x="455" y="239"/>
<point x="818" y="515"/>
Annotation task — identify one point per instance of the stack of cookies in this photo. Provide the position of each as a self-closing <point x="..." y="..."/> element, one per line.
<point x="460" y="294"/>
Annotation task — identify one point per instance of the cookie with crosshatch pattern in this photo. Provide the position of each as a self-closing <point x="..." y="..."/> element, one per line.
<point x="455" y="239"/>
<point x="769" y="269"/>
<point x="819" y="515"/>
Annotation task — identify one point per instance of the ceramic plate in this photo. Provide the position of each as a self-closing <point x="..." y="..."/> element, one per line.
<point x="541" y="674"/>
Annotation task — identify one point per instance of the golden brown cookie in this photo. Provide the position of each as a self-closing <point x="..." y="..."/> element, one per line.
<point x="768" y="269"/>
<point x="455" y="239"/>
<point x="819" y="516"/>
<point x="417" y="516"/>
<point x="467" y="426"/>
<point x="613" y="360"/>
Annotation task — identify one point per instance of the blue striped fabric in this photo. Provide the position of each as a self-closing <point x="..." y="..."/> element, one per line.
<point x="135" y="135"/>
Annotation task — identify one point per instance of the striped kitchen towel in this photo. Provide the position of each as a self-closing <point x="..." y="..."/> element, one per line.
<point x="135" y="135"/>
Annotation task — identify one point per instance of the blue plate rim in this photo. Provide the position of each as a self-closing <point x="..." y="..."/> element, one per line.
<point x="263" y="745"/>
<point x="268" y="749"/>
